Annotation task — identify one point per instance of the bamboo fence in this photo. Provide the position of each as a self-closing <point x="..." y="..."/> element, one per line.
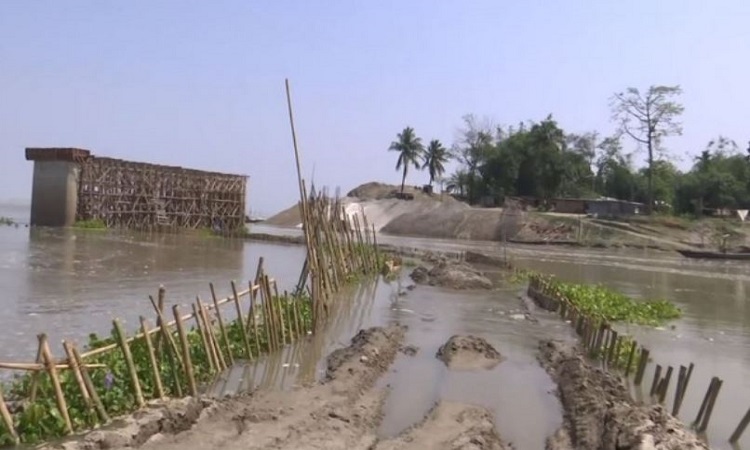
<point x="623" y="355"/>
<point x="180" y="351"/>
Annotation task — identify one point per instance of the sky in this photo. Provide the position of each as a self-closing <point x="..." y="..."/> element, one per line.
<point x="201" y="84"/>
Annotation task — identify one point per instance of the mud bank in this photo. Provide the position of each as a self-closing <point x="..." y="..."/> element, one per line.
<point x="599" y="413"/>
<point x="468" y="353"/>
<point x="451" y="275"/>
<point x="450" y="426"/>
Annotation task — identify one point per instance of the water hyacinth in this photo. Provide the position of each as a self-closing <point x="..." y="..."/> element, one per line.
<point x="603" y="303"/>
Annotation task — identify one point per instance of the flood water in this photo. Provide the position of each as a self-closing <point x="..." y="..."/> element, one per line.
<point x="68" y="283"/>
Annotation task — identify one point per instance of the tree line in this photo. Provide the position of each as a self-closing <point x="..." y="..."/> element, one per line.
<point x="543" y="161"/>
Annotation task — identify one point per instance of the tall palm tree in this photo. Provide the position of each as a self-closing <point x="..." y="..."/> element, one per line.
<point x="434" y="159"/>
<point x="410" y="151"/>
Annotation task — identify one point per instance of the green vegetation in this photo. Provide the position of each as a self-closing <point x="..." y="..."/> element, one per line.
<point x="91" y="224"/>
<point x="7" y="221"/>
<point x="41" y="420"/>
<point x="410" y="151"/>
<point x="601" y="303"/>
<point x="542" y="160"/>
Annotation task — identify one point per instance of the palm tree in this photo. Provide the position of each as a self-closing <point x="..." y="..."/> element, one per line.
<point x="434" y="159"/>
<point x="410" y="151"/>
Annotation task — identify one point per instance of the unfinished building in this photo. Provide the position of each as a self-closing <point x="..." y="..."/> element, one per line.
<point x="71" y="185"/>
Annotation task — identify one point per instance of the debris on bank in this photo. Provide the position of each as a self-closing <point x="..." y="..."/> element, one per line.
<point x="599" y="414"/>
<point x="468" y="353"/>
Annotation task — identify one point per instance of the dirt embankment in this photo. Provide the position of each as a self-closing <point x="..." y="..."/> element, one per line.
<point x="343" y="412"/>
<point x="599" y="414"/>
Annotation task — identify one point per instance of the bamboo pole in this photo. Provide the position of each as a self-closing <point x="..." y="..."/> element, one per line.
<point x="678" y="391"/>
<point x="253" y="319"/>
<point x="737" y="432"/>
<point x="77" y="375"/>
<point x="642" y="362"/>
<point x="62" y="405"/>
<point x="8" y="419"/>
<point x="136" y="384"/>
<point x="664" y="385"/>
<point x="214" y="345"/>
<point x="152" y="359"/>
<point x="657" y="379"/>
<point x="90" y="386"/>
<point x="222" y="328"/>
<point x="185" y="352"/>
<point x="631" y="355"/>
<point x="40" y="367"/>
<point x="160" y="307"/>
<point x="204" y="339"/>
<point x="173" y="354"/>
<point x="710" y="408"/>
<point x="704" y="403"/>
<point x="279" y="302"/>
<point x="241" y="321"/>
<point x="35" y="376"/>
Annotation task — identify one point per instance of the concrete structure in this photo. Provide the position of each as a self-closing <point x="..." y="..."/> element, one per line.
<point x="54" y="192"/>
<point x="71" y="184"/>
<point x="614" y="208"/>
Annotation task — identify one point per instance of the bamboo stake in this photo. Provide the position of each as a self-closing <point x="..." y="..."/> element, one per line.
<point x="173" y="356"/>
<point x="664" y="385"/>
<point x="241" y="321"/>
<point x="77" y="374"/>
<point x="737" y="432"/>
<point x="129" y="362"/>
<point x="62" y="405"/>
<point x="633" y="345"/>
<point x="710" y="408"/>
<point x="185" y="352"/>
<point x="657" y="378"/>
<point x="8" y="419"/>
<point x="281" y="308"/>
<point x="152" y="359"/>
<point x="35" y="376"/>
<point x="204" y="339"/>
<point x="678" y="392"/>
<point x="643" y="361"/>
<point x="252" y="319"/>
<point x="214" y="345"/>
<point x="222" y="329"/>
<point x="160" y="308"/>
<point x="704" y="403"/>
<point x="90" y="386"/>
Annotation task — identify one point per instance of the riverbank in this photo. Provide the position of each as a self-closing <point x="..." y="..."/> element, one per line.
<point x="359" y="394"/>
<point x="442" y="217"/>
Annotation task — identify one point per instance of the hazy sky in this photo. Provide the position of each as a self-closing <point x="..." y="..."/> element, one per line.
<point x="201" y="83"/>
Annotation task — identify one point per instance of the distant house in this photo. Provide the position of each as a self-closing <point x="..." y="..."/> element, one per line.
<point x="609" y="207"/>
<point x="604" y="207"/>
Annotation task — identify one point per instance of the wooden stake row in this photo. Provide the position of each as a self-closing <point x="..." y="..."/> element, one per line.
<point x="603" y="342"/>
<point x="278" y="318"/>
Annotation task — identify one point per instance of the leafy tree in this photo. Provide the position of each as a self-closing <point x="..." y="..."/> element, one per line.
<point x="434" y="159"/>
<point x="410" y="150"/>
<point x="474" y="145"/>
<point x="648" y="118"/>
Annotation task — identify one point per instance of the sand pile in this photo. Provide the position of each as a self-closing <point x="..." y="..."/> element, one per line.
<point x="468" y="353"/>
<point x="451" y="275"/>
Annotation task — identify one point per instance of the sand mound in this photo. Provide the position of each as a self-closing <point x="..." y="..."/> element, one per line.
<point x="452" y="275"/>
<point x="468" y="353"/>
<point x="379" y="191"/>
<point x="599" y="414"/>
<point x="450" y="426"/>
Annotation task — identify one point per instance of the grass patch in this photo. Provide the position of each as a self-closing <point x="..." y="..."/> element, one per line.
<point x="602" y="303"/>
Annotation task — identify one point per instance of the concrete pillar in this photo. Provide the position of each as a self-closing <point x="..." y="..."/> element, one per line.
<point x="54" y="193"/>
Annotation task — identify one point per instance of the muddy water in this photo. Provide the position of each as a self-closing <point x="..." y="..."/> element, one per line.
<point x="69" y="283"/>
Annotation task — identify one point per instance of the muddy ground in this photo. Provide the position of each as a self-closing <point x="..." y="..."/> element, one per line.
<point x="599" y="413"/>
<point x="343" y="411"/>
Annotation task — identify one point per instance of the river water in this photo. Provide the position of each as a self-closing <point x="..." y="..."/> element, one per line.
<point x="68" y="283"/>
